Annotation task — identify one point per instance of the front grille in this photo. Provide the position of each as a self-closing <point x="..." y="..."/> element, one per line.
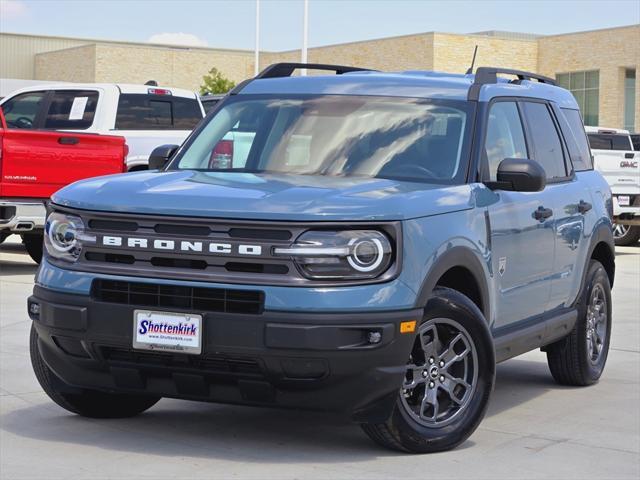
<point x="180" y="297"/>
<point x="223" y="251"/>
<point x="217" y="364"/>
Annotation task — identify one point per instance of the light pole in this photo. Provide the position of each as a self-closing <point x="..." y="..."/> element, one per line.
<point x="256" y="59"/>
<point x="305" y="34"/>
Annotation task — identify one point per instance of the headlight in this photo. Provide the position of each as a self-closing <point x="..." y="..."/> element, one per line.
<point x="347" y="254"/>
<point x="64" y="236"/>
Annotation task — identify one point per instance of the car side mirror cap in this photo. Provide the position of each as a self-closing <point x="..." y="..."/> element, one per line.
<point x="161" y="156"/>
<point x="520" y="175"/>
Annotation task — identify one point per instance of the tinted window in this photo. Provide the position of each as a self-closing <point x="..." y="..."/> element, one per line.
<point x="71" y="109"/>
<point x="336" y="135"/>
<point x="157" y="112"/>
<point x="505" y="137"/>
<point x="547" y="148"/>
<point x="609" y="141"/>
<point x="21" y="110"/>
<point x="579" y="148"/>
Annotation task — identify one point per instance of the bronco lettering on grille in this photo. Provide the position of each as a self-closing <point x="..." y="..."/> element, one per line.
<point x="180" y="245"/>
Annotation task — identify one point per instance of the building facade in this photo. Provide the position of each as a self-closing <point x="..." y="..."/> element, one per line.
<point x="599" y="67"/>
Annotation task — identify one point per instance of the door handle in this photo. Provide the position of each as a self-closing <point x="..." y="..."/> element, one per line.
<point x="584" y="207"/>
<point x="68" y="140"/>
<point x="541" y="214"/>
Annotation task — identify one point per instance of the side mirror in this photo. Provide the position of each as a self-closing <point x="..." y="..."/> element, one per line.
<point x="161" y="156"/>
<point x="520" y="175"/>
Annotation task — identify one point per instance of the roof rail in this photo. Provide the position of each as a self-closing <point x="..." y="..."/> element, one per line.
<point x="489" y="75"/>
<point x="286" y="69"/>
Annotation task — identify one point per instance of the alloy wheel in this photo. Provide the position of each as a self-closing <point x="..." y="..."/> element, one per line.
<point x="596" y="323"/>
<point x="441" y="374"/>
<point x="620" y="231"/>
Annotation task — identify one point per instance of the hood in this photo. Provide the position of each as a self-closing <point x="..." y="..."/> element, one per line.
<point x="263" y="196"/>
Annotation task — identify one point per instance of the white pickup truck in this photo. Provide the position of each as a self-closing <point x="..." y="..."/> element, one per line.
<point x="146" y="115"/>
<point x="614" y="157"/>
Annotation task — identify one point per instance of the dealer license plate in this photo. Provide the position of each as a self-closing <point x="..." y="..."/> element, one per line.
<point x="623" y="200"/>
<point x="166" y="331"/>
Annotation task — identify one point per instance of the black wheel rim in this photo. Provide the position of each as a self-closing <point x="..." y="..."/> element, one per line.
<point x="441" y="374"/>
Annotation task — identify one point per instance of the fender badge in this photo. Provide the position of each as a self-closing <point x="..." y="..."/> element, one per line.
<point x="502" y="265"/>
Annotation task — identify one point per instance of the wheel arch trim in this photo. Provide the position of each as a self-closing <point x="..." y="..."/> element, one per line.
<point x="462" y="257"/>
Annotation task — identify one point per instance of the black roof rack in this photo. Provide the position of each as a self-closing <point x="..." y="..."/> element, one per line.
<point x="489" y="75"/>
<point x="286" y="69"/>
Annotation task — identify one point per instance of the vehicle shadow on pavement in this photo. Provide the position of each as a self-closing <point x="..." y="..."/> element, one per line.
<point x="246" y="434"/>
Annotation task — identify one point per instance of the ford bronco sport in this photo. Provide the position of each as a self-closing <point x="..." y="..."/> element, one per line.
<point x="383" y="241"/>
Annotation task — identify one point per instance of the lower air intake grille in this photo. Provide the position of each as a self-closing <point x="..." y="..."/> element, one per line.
<point x="209" y="363"/>
<point x="174" y="296"/>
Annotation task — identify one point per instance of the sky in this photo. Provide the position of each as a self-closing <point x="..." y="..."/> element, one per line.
<point x="230" y="24"/>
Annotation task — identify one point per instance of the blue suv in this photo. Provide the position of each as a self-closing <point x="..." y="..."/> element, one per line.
<point x="364" y="243"/>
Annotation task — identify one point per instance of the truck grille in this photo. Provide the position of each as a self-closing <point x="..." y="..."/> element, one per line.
<point x="192" y="264"/>
<point x="180" y="297"/>
<point x="200" y="249"/>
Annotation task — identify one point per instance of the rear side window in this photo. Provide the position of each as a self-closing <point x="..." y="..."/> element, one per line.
<point x="547" y="148"/>
<point x="21" y="111"/>
<point x="609" y="141"/>
<point x="157" y="112"/>
<point x="71" y="109"/>
<point x="581" y="158"/>
<point x="505" y="137"/>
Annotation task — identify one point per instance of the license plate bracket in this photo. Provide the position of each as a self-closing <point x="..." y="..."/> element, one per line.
<point x="167" y="331"/>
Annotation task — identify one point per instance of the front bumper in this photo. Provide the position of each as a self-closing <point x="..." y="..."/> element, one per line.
<point x="314" y="361"/>
<point x="22" y="215"/>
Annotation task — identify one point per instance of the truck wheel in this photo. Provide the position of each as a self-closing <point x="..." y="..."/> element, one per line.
<point x="579" y="358"/>
<point x="448" y="380"/>
<point x="85" y="402"/>
<point x="625" y="235"/>
<point x="33" y="245"/>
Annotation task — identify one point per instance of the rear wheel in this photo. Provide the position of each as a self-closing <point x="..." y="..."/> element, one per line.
<point x="579" y="358"/>
<point x="625" y="235"/>
<point x="33" y="245"/>
<point x="85" y="402"/>
<point x="448" y="379"/>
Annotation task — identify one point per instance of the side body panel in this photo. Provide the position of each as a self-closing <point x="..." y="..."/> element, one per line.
<point x="37" y="163"/>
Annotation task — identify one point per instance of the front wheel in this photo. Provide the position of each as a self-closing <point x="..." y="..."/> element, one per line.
<point x="448" y="379"/>
<point x="625" y="235"/>
<point x="85" y="402"/>
<point x="33" y="245"/>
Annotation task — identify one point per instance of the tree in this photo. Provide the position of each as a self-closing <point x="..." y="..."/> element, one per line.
<point x="215" y="82"/>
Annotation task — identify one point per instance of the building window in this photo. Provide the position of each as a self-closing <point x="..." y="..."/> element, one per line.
<point x="629" y="99"/>
<point x="585" y="87"/>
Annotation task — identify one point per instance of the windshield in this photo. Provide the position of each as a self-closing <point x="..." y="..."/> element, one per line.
<point x="336" y="135"/>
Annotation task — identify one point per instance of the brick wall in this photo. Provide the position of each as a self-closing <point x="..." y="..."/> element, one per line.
<point x="608" y="51"/>
<point x="77" y="64"/>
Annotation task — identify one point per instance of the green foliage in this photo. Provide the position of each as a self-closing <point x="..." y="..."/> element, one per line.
<point x="215" y="82"/>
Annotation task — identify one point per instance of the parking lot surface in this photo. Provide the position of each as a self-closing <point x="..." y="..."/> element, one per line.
<point x="534" y="428"/>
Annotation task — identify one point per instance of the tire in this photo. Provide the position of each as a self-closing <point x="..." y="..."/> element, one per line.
<point x="85" y="402"/>
<point x="575" y="360"/>
<point x="625" y="235"/>
<point x="417" y="427"/>
<point x="4" y="236"/>
<point x="33" y="245"/>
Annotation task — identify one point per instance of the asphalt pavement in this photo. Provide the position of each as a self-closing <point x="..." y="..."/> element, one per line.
<point x="534" y="428"/>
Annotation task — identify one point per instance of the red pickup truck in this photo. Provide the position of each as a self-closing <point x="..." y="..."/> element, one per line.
<point x="36" y="163"/>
